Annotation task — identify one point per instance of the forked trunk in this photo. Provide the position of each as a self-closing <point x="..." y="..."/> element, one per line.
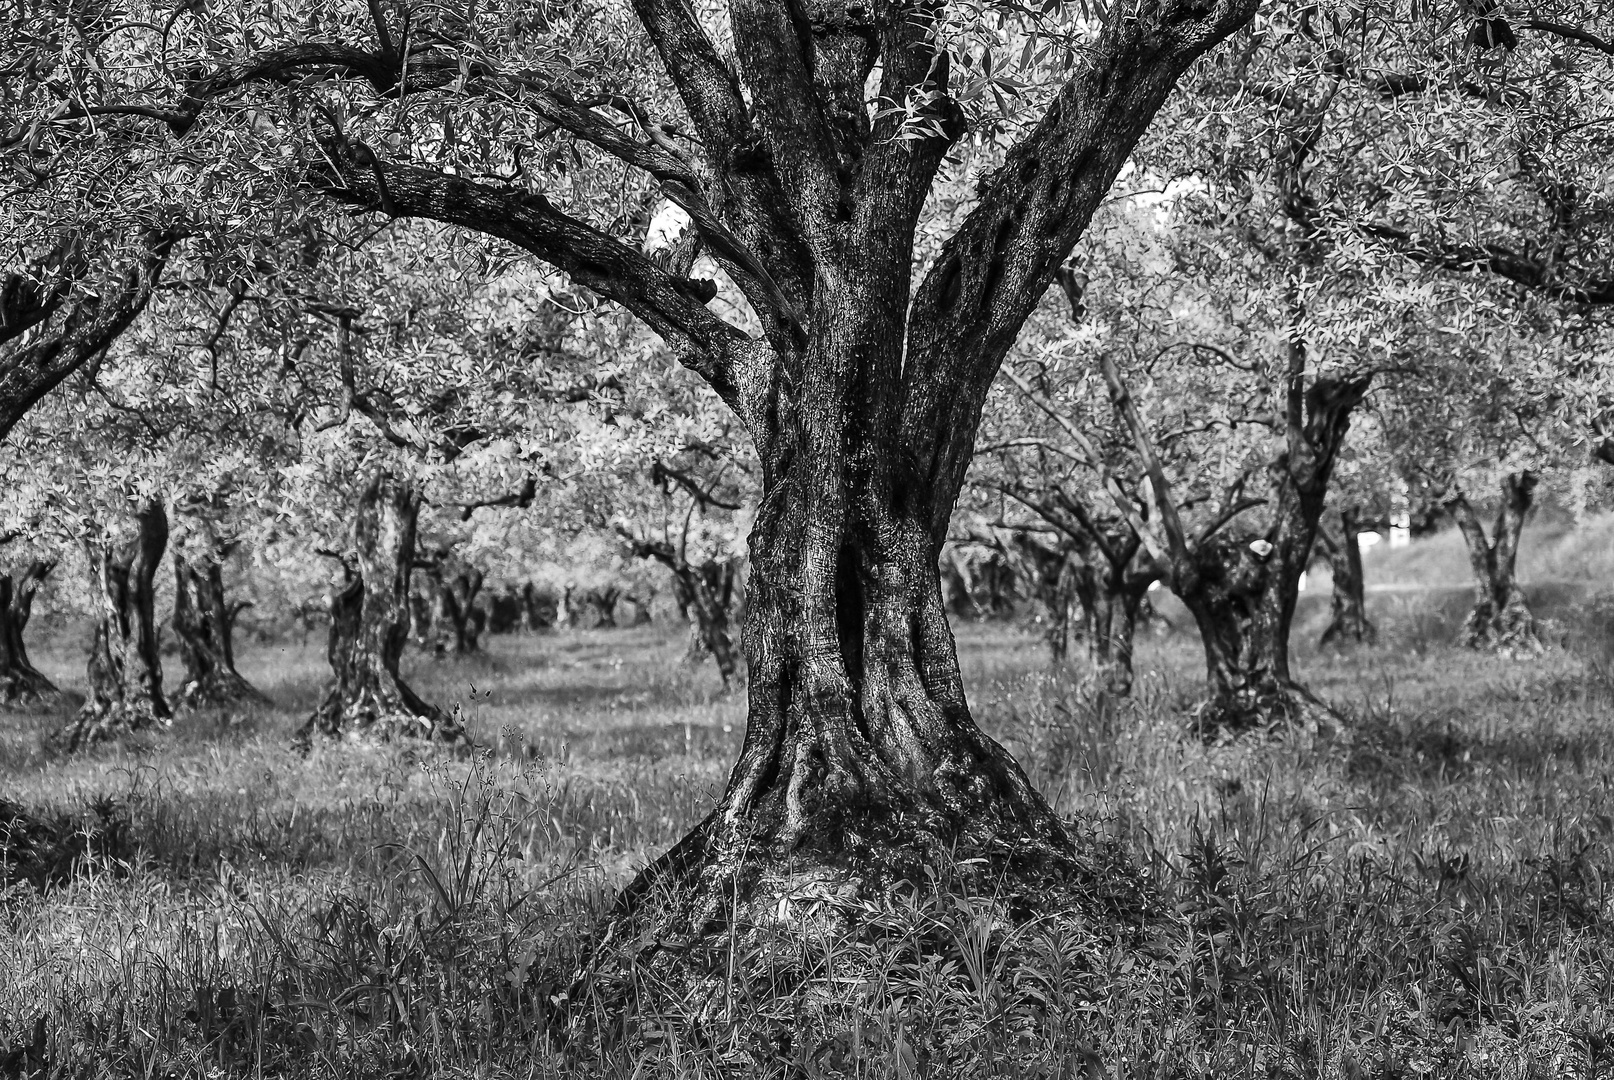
<point x="1349" y="624"/>
<point x="125" y="670"/>
<point x="1060" y="582"/>
<point x="20" y="681"/>
<point x="204" y="623"/>
<point x="1501" y="618"/>
<point x="369" y="626"/>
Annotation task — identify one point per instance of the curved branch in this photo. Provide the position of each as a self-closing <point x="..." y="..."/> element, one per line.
<point x="90" y="327"/>
<point x="673" y="307"/>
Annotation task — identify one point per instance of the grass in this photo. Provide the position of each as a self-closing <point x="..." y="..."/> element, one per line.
<point x="1428" y="896"/>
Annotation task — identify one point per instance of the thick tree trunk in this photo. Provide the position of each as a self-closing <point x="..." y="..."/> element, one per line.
<point x="1349" y="624"/>
<point x="20" y="681"/>
<point x="1500" y="619"/>
<point x="125" y="669"/>
<point x="204" y="624"/>
<point x="1242" y="590"/>
<point x="368" y="700"/>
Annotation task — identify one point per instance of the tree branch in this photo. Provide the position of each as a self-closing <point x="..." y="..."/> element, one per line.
<point x="90" y="327"/>
<point x="1534" y="275"/>
<point x="990" y="275"/>
<point x="671" y="306"/>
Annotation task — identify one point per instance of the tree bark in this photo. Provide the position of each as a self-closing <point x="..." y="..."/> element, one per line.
<point x="20" y="681"/>
<point x="704" y="592"/>
<point x="861" y="757"/>
<point x="1242" y="590"/>
<point x="368" y="700"/>
<point x="204" y="623"/>
<point x="1349" y="624"/>
<point x="1501" y="618"/>
<point x="125" y="668"/>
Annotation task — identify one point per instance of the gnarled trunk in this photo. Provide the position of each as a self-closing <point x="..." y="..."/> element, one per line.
<point x="369" y="626"/>
<point x="1242" y="590"/>
<point x="1235" y="594"/>
<point x="860" y="754"/>
<point x="20" y="681"/>
<point x="1500" y="619"/>
<point x="125" y="670"/>
<point x="1348" y="624"/>
<point x="204" y="623"/>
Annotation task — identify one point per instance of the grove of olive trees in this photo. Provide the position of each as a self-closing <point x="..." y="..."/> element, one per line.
<point x="450" y="354"/>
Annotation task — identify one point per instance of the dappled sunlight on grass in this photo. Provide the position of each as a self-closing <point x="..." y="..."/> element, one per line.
<point x="1424" y="892"/>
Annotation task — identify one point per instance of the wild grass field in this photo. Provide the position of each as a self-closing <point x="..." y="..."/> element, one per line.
<point x="1427" y="893"/>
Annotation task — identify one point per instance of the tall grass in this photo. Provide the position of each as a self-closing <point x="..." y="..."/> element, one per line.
<point x="1428" y="894"/>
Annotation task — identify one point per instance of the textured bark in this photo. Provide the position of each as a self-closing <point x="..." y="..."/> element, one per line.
<point x="1349" y="624"/>
<point x="204" y="623"/>
<point x="20" y="681"/>
<point x="1242" y="590"/>
<point x="125" y="668"/>
<point x="368" y="700"/>
<point x="1501" y="618"/>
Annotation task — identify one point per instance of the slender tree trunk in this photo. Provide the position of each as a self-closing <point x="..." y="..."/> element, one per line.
<point x="1501" y="618"/>
<point x="20" y="681"/>
<point x="125" y="669"/>
<point x="707" y="591"/>
<point x="1349" y="624"/>
<point x="369" y="626"/>
<point x="1117" y="599"/>
<point x="204" y="624"/>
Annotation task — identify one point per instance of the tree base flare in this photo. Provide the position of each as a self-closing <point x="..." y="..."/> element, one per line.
<point x="107" y="721"/>
<point x="723" y="919"/>
<point x="27" y="688"/>
<point x="1272" y="709"/>
<point x="369" y="720"/>
<point x="1511" y="631"/>
<point x="219" y="690"/>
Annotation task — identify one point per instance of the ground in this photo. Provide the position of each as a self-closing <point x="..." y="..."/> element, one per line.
<point x="1432" y="894"/>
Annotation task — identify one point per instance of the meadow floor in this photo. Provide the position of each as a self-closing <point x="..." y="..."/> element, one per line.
<point x="1430" y="894"/>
